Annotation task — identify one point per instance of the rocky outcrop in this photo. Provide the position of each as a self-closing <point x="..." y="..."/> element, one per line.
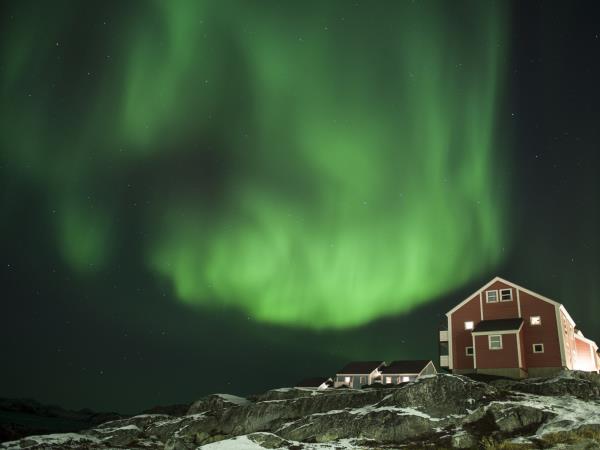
<point x="443" y="395"/>
<point x="386" y="425"/>
<point x="583" y="385"/>
<point x="216" y="402"/>
<point x="267" y="415"/>
<point x="443" y="411"/>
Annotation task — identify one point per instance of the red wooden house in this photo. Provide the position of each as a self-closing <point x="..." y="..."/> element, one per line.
<point x="505" y="329"/>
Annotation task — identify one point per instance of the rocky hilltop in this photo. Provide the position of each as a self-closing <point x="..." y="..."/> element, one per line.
<point x="439" y="411"/>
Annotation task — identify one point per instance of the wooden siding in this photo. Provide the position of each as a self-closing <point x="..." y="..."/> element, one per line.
<point x="500" y="310"/>
<point x="568" y="339"/>
<point x="506" y="357"/>
<point x="584" y="357"/>
<point x="461" y="338"/>
<point x="546" y="333"/>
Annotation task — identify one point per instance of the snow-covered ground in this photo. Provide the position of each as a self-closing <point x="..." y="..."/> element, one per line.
<point x="570" y="412"/>
<point x="244" y="443"/>
<point x="57" y="439"/>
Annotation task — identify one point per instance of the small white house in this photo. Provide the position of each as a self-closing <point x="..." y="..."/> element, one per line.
<point x="404" y="371"/>
<point x="358" y="373"/>
<point x="318" y="383"/>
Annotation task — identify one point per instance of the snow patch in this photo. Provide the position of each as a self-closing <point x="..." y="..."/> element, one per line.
<point x="397" y="409"/>
<point x="237" y="443"/>
<point x="112" y="430"/>
<point x="234" y="399"/>
<point x="52" y="439"/>
<point x="243" y="443"/>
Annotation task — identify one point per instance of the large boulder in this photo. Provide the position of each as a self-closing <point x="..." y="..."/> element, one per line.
<point x="383" y="425"/>
<point x="216" y="402"/>
<point x="442" y="395"/>
<point x="133" y="431"/>
<point x="125" y="436"/>
<point x="504" y="419"/>
<point x="583" y="385"/>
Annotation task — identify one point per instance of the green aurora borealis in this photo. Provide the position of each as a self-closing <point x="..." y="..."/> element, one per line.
<point x="315" y="184"/>
<point x="228" y="196"/>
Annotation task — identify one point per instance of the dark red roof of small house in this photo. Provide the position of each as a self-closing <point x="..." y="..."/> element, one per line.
<point x="314" y="382"/>
<point x="414" y="366"/>
<point x="361" y="367"/>
<point x="499" y="325"/>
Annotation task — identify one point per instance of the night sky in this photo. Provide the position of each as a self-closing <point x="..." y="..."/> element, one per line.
<point x="228" y="196"/>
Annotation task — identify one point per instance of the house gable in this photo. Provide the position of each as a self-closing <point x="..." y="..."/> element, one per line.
<point x="478" y="307"/>
<point x="546" y="340"/>
<point x="497" y="282"/>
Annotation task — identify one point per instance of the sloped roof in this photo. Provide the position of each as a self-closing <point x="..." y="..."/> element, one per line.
<point x="313" y="382"/>
<point x="413" y="366"/>
<point x="515" y="286"/>
<point x="499" y="325"/>
<point x="361" y="367"/>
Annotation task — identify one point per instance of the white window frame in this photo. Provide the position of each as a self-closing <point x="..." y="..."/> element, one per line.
<point x="361" y="380"/>
<point x="487" y="296"/>
<point x="405" y="379"/>
<point x="509" y="299"/>
<point x="490" y="341"/>
<point x="467" y="351"/>
<point x="348" y="380"/>
<point x="539" y="320"/>
<point x="471" y="326"/>
<point x="388" y="380"/>
<point x="535" y="351"/>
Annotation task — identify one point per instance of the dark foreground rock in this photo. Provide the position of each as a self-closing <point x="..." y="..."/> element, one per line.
<point x="443" y="411"/>
<point x="25" y="417"/>
<point x="583" y="385"/>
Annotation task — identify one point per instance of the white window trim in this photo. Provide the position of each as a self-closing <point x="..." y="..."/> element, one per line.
<point x="535" y="324"/>
<point x="509" y="293"/>
<point x="467" y="350"/>
<point x="405" y="379"/>
<point x="487" y="299"/>
<point x="533" y="347"/>
<point x="472" y="325"/>
<point x="490" y="342"/>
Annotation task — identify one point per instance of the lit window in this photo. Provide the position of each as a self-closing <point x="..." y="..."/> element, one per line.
<point x="505" y="295"/>
<point x="348" y="379"/>
<point x="469" y="351"/>
<point x="388" y="380"/>
<point x="469" y="325"/>
<point x="535" y="320"/>
<point x="405" y="379"/>
<point x="491" y="296"/>
<point x="495" y="341"/>
<point x="538" y="348"/>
